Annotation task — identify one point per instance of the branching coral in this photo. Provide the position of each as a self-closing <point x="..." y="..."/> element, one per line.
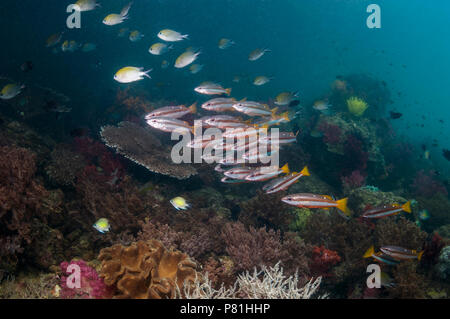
<point x="146" y="270"/>
<point x="267" y="283"/>
<point x="256" y="247"/>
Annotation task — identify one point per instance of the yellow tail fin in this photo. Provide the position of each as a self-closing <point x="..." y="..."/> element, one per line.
<point x="274" y="111"/>
<point x="419" y="255"/>
<point x="305" y="171"/>
<point x="369" y="252"/>
<point x="285" y="169"/>
<point x="285" y="116"/>
<point x="193" y="108"/>
<point x="407" y="207"/>
<point x="228" y="91"/>
<point x="342" y="206"/>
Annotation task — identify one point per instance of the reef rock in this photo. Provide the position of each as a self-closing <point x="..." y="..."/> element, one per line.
<point x="443" y="266"/>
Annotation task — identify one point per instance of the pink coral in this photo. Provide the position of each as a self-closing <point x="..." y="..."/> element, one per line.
<point x="331" y="133"/>
<point x="322" y="260"/>
<point x="354" y="180"/>
<point x="427" y="185"/>
<point x="92" y="286"/>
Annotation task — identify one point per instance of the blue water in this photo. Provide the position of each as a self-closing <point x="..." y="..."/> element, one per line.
<point x="311" y="41"/>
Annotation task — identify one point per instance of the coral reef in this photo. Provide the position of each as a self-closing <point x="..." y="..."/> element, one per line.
<point x="142" y="147"/>
<point x="255" y="247"/>
<point x="91" y="286"/>
<point x="146" y="270"/>
<point x="443" y="266"/>
<point x="322" y="260"/>
<point x="64" y="166"/>
<point x="21" y="200"/>
<point x="267" y="283"/>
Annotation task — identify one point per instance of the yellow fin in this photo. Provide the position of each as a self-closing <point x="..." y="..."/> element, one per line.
<point x="274" y="110"/>
<point x="228" y="91"/>
<point x="419" y="255"/>
<point x="243" y="100"/>
<point x="285" y="116"/>
<point x="193" y="108"/>
<point x="369" y="252"/>
<point x="407" y="207"/>
<point x="285" y="169"/>
<point x="342" y="206"/>
<point x="305" y="171"/>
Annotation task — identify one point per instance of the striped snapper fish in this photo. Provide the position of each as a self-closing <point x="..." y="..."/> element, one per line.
<point x="401" y="253"/>
<point x="225" y="121"/>
<point x="252" y="108"/>
<point x="283" y="138"/>
<point x="386" y="210"/>
<point x="238" y="172"/>
<point x="173" y="112"/>
<point x="385" y="259"/>
<point x="170" y="125"/>
<point x="228" y="180"/>
<point x="265" y="173"/>
<point x="209" y="88"/>
<point x="219" y="104"/>
<point x="283" y="183"/>
<point x="316" y="201"/>
<point x="255" y="155"/>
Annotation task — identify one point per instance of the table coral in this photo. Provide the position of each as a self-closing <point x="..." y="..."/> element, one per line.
<point x="146" y="270"/>
<point x="142" y="147"/>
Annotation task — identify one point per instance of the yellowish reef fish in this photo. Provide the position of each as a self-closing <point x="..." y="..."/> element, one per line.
<point x="195" y="68"/>
<point x="261" y="80"/>
<point x="122" y="32"/>
<point x="179" y="203"/>
<point x="257" y="54"/>
<point x="102" y="225"/>
<point x="54" y="39"/>
<point x="285" y="98"/>
<point x="171" y="35"/>
<point x="87" y="5"/>
<point x="114" y="18"/>
<point x="321" y="106"/>
<point x="135" y="36"/>
<point x="225" y="43"/>
<point x="69" y="46"/>
<point x="130" y="74"/>
<point x="10" y="91"/>
<point x="159" y="48"/>
<point x="186" y="58"/>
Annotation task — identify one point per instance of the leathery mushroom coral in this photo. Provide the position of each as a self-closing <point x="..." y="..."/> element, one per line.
<point x="146" y="270"/>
